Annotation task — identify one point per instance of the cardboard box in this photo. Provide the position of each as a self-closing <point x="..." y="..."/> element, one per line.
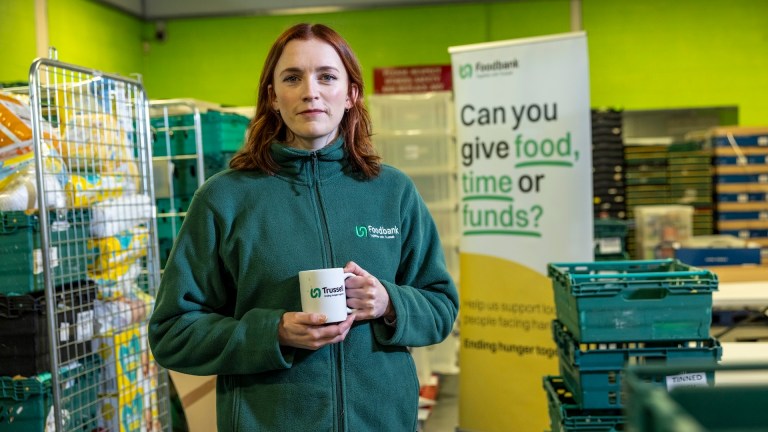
<point x="742" y="273"/>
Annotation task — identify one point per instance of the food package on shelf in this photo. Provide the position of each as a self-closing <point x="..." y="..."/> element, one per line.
<point x="18" y="189"/>
<point x="121" y="351"/>
<point x="16" y="121"/>
<point x="18" y="181"/>
<point x="117" y="314"/>
<point x="113" y="215"/>
<point x="124" y="247"/>
<point x="95" y="142"/>
<point x="16" y="126"/>
<point x="116" y="281"/>
<point x="87" y="189"/>
<point x="12" y="162"/>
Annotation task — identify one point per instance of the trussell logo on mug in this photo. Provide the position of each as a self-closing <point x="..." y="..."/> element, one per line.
<point x="323" y="291"/>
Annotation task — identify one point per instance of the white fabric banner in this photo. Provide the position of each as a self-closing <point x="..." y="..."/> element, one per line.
<point x="525" y="176"/>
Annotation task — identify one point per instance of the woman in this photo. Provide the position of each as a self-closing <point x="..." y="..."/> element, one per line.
<point x="306" y="191"/>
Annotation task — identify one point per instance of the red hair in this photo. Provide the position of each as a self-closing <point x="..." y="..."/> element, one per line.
<point x="267" y="125"/>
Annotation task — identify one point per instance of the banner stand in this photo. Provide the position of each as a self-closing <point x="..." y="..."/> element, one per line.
<point x="524" y="141"/>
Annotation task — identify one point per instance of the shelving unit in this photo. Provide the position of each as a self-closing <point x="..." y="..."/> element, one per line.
<point x="192" y="140"/>
<point x="167" y="150"/>
<point x="415" y="133"/>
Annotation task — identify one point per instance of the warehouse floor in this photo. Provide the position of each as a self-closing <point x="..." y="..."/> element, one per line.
<point x="445" y="414"/>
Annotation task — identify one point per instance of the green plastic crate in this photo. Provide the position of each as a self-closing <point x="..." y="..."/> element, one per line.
<point x="228" y="129"/>
<point x="565" y="415"/>
<point x="610" y="236"/>
<point x="727" y="406"/>
<point x="177" y="141"/>
<point x="21" y="265"/>
<point x="185" y="173"/>
<point x="222" y="132"/>
<point x="593" y="372"/>
<point x="169" y="216"/>
<point x="168" y="226"/>
<point x="617" y="257"/>
<point x="176" y="205"/>
<point x="26" y="403"/>
<point x="634" y="300"/>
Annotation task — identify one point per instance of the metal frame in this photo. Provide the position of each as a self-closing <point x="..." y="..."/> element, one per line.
<point x="163" y="108"/>
<point x="106" y="118"/>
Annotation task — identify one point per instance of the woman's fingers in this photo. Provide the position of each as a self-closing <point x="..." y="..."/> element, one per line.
<point x="352" y="267"/>
<point x="309" y="331"/>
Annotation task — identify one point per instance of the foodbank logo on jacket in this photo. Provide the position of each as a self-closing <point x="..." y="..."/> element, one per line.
<point x="377" y="232"/>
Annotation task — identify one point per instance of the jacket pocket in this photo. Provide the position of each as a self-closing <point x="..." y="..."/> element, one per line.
<point x="414" y="374"/>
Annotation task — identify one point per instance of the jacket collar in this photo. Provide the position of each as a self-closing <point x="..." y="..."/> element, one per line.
<point x="298" y="164"/>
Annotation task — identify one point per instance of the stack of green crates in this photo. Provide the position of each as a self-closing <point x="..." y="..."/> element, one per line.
<point x="690" y="181"/>
<point x="222" y="134"/>
<point x="610" y="239"/>
<point x="615" y="313"/>
<point x="21" y="270"/>
<point x="26" y="403"/>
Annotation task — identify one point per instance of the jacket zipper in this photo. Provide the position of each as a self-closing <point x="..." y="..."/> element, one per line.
<point x="323" y="219"/>
<point x="336" y="348"/>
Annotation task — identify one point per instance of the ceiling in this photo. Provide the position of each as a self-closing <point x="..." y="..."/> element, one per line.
<point x="167" y="9"/>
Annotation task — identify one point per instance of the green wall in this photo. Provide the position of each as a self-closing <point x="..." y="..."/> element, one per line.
<point x="83" y="32"/>
<point x="92" y="35"/>
<point x="660" y="54"/>
<point x="17" y="37"/>
<point x="647" y="54"/>
<point x="220" y="59"/>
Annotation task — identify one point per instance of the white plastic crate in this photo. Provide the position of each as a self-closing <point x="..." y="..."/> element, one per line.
<point x="436" y="188"/>
<point x="418" y="152"/>
<point x="403" y="112"/>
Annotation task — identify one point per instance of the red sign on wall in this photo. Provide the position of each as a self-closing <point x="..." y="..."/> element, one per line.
<point x="412" y="79"/>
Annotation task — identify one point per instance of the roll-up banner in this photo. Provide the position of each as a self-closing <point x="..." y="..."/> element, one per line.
<point x="525" y="176"/>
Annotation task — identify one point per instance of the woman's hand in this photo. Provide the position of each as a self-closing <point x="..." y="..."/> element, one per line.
<point x="366" y="295"/>
<point x="309" y="331"/>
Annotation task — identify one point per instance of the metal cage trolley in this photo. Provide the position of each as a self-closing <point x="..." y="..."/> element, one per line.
<point x="98" y="242"/>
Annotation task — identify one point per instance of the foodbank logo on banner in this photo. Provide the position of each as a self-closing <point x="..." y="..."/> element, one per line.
<point x="465" y="71"/>
<point x="492" y="68"/>
<point x="314" y="292"/>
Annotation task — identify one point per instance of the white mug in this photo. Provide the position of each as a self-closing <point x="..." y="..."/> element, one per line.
<point x="323" y="291"/>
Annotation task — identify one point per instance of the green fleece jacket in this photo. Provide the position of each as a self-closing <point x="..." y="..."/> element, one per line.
<point x="233" y="272"/>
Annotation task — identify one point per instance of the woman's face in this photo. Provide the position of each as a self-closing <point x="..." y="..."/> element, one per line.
<point x="311" y="90"/>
